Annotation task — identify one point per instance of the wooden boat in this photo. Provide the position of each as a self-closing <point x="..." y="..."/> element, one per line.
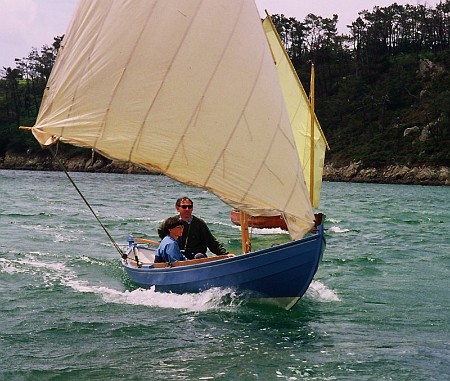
<point x="255" y="275"/>
<point x="189" y="88"/>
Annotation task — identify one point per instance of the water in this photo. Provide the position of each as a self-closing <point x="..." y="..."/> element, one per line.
<point x="378" y="308"/>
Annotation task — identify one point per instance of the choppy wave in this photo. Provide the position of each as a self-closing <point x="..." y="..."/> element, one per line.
<point x="265" y="231"/>
<point x="203" y="301"/>
<point x="338" y="230"/>
<point x="69" y="311"/>
<point x="53" y="273"/>
<point x="320" y="292"/>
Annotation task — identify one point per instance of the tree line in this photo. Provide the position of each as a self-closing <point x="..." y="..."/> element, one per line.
<point x="387" y="74"/>
<point x="21" y="90"/>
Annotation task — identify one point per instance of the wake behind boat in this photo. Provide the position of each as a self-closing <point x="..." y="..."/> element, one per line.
<point x="190" y="89"/>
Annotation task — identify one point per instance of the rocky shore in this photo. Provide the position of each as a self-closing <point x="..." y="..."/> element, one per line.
<point x="73" y="163"/>
<point x="353" y="172"/>
<point x="392" y="174"/>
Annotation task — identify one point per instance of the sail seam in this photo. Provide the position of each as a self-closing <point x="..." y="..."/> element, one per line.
<point x="240" y="118"/>
<point x="191" y="122"/>
<point x="139" y="133"/>
<point x="136" y="142"/>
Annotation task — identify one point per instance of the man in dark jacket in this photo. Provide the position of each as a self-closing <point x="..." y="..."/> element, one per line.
<point x="197" y="237"/>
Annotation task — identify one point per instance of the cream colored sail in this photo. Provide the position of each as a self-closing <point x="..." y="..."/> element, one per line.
<point x="299" y="110"/>
<point x="186" y="87"/>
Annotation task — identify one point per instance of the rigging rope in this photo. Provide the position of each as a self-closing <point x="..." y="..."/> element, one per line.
<point x="122" y="254"/>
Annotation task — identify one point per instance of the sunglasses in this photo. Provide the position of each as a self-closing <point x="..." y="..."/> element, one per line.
<point x="187" y="206"/>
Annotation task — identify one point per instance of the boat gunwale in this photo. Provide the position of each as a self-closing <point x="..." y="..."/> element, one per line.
<point x="148" y="267"/>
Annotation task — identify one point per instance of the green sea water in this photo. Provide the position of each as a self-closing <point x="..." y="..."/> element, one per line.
<point x="378" y="308"/>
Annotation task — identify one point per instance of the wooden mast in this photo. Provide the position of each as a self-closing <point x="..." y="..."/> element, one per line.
<point x="311" y="159"/>
<point x="245" y="237"/>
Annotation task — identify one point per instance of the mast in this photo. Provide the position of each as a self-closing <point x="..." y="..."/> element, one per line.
<point x="246" y="244"/>
<point x="311" y="161"/>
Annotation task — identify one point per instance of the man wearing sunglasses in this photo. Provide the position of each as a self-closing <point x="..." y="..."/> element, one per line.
<point x="197" y="237"/>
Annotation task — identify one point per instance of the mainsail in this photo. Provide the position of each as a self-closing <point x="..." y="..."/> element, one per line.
<point x="185" y="87"/>
<point x="300" y="115"/>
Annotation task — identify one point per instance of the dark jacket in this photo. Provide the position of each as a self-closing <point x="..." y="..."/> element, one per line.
<point x="197" y="238"/>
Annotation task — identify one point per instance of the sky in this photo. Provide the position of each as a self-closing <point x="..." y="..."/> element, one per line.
<point x="33" y="23"/>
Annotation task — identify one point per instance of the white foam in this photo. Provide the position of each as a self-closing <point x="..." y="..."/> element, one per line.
<point x="268" y="231"/>
<point x="264" y="231"/>
<point x="55" y="232"/>
<point x="320" y="292"/>
<point x="337" y="229"/>
<point x="203" y="301"/>
<point x="8" y="266"/>
<point x="30" y="263"/>
<point x="55" y="272"/>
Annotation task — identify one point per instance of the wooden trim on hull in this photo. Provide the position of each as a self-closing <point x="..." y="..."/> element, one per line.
<point x="180" y="263"/>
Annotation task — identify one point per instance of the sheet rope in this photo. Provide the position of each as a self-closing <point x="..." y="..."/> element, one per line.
<point x="119" y="250"/>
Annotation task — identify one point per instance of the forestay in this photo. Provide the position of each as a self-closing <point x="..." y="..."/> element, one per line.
<point x="185" y="87"/>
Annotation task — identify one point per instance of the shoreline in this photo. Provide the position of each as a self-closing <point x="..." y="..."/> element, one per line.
<point x="392" y="174"/>
<point x="353" y="172"/>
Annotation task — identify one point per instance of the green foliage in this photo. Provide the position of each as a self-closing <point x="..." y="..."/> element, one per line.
<point x="369" y="87"/>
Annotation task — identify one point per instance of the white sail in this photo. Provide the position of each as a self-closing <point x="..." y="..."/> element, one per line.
<point x="186" y="87"/>
<point x="299" y="110"/>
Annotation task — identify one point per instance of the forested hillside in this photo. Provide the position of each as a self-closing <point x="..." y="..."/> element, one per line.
<point x="382" y="92"/>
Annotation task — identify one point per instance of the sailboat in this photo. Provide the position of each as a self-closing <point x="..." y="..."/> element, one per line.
<point x="308" y="134"/>
<point x="189" y="88"/>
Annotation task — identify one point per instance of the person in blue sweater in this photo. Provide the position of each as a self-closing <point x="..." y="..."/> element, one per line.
<point x="169" y="250"/>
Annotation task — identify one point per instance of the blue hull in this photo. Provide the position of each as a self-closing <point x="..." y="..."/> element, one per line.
<point x="281" y="273"/>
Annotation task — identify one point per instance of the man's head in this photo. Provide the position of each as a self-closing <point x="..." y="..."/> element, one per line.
<point x="184" y="207"/>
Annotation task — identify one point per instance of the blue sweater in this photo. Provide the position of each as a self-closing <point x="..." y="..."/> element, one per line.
<point x="169" y="251"/>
